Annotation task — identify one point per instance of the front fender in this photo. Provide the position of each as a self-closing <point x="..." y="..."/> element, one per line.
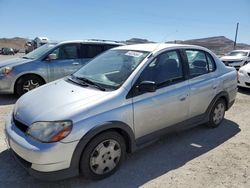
<point x="120" y="127"/>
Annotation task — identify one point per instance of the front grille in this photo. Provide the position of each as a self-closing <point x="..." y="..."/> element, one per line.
<point x="22" y="127"/>
<point x="248" y="84"/>
<point x="229" y="62"/>
<point x="237" y="67"/>
<point x="225" y="62"/>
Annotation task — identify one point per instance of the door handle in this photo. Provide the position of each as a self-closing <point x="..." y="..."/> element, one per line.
<point x="215" y="86"/>
<point x="75" y="63"/>
<point x="183" y="97"/>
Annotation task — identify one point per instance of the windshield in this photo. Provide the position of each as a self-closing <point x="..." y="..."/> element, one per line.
<point x="37" y="53"/>
<point x="111" y="68"/>
<point x="238" y="53"/>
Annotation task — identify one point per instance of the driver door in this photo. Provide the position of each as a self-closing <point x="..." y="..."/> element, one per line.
<point x="67" y="61"/>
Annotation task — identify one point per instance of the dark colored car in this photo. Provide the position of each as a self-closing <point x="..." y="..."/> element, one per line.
<point x="8" y="51"/>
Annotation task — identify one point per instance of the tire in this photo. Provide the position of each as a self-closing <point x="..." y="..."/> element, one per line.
<point x="27" y="83"/>
<point x="103" y="155"/>
<point x="217" y="113"/>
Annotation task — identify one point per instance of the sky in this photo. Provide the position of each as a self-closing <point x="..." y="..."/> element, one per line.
<point x="158" y="20"/>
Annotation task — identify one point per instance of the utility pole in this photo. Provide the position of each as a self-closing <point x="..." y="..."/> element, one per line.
<point x="236" y="34"/>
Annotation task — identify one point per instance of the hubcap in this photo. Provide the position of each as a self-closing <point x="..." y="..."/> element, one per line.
<point x="29" y="85"/>
<point x="219" y="113"/>
<point x="105" y="157"/>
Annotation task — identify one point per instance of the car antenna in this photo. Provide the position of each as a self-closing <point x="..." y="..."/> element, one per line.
<point x="163" y="41"/>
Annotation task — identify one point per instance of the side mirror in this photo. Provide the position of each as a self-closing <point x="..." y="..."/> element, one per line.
<point x="147" y="86"/>
<point x="52" y="57"/>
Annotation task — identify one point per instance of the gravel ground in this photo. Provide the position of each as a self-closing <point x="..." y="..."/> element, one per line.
<point x="6" y="57"/>
<point x="198" y="157"/>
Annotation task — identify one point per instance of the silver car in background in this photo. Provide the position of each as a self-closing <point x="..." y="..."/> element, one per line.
<point x="236" y="58"/>
<point x="48" y="63"/>
<point x="87" y="122"/>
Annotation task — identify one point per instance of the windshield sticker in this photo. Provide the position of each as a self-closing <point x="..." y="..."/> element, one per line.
<point x="134" y="54"/>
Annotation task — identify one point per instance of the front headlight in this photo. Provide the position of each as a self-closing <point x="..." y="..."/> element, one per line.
<point x="5" y="70"/>
<point x="50" y="131"/>
<point x="241" y="71"/>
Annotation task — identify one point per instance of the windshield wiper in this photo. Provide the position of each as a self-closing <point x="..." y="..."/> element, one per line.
<point x="86" y="80"/>
<point x="24" y="57"/>
<point x="70" y="78"/>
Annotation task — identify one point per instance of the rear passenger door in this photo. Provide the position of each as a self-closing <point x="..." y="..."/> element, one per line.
<point x="201" y="80"/>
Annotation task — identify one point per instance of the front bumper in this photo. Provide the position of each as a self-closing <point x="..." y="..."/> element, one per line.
<point x="6" y="84"/>
<point x="244" y="80"/>
<point x="42" y="160"/>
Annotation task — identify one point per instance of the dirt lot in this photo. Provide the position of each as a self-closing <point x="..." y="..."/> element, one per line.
<point x="6" y="57"/>
<point x="198" y="157"/>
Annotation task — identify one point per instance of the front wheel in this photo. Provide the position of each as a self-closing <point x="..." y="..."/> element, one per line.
<point x="217" y="114"/>
<point x="27" y="83"/>
<point x="103" y="155"/>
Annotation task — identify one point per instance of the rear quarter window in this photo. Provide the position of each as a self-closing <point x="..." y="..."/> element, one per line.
<point x="200" y="62"/>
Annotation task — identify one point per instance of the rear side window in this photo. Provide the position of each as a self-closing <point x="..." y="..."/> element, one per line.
<point x="211" y="63"/>
<point x="199" y="62"/>
<point x="91" y="50"/>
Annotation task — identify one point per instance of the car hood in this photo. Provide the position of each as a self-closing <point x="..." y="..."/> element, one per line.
<point x="233" y="58"/>
<point x="58" y="100"/>
<point x="14" y="62"/>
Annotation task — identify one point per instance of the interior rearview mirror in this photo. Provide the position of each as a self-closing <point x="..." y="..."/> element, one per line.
<point x="147" y="86"/>
<point x="52" y="57"/>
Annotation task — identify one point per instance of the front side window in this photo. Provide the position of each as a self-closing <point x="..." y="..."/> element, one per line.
<point x="68" y="51"/>
<point x="39" y="52"/>
<point x="199" y="62"/>
<point x="165" y="69"/>
<point x="112" y="68"/>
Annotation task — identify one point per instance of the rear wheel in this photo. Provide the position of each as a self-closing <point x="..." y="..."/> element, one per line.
<point x="103" y="155"/>
<point x="217" y="113"/>
<point x="27" y="83"/>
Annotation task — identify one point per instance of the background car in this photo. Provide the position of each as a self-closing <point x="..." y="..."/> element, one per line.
<point x="16" y="50"/>
<point x="236" y="58"/>
<point x="244" y="76"/>
<point x="48" y="63"/>
<point x="8" y="51"/>
<point x="128" y="96"/>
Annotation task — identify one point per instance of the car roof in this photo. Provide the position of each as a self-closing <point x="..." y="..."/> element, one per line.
<point x="94" y="41"/>
<point x="155" y="47"/>
<point x="240" y="51"/>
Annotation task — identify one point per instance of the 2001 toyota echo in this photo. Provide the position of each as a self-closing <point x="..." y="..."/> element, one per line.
<point x="87" y="122"/>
